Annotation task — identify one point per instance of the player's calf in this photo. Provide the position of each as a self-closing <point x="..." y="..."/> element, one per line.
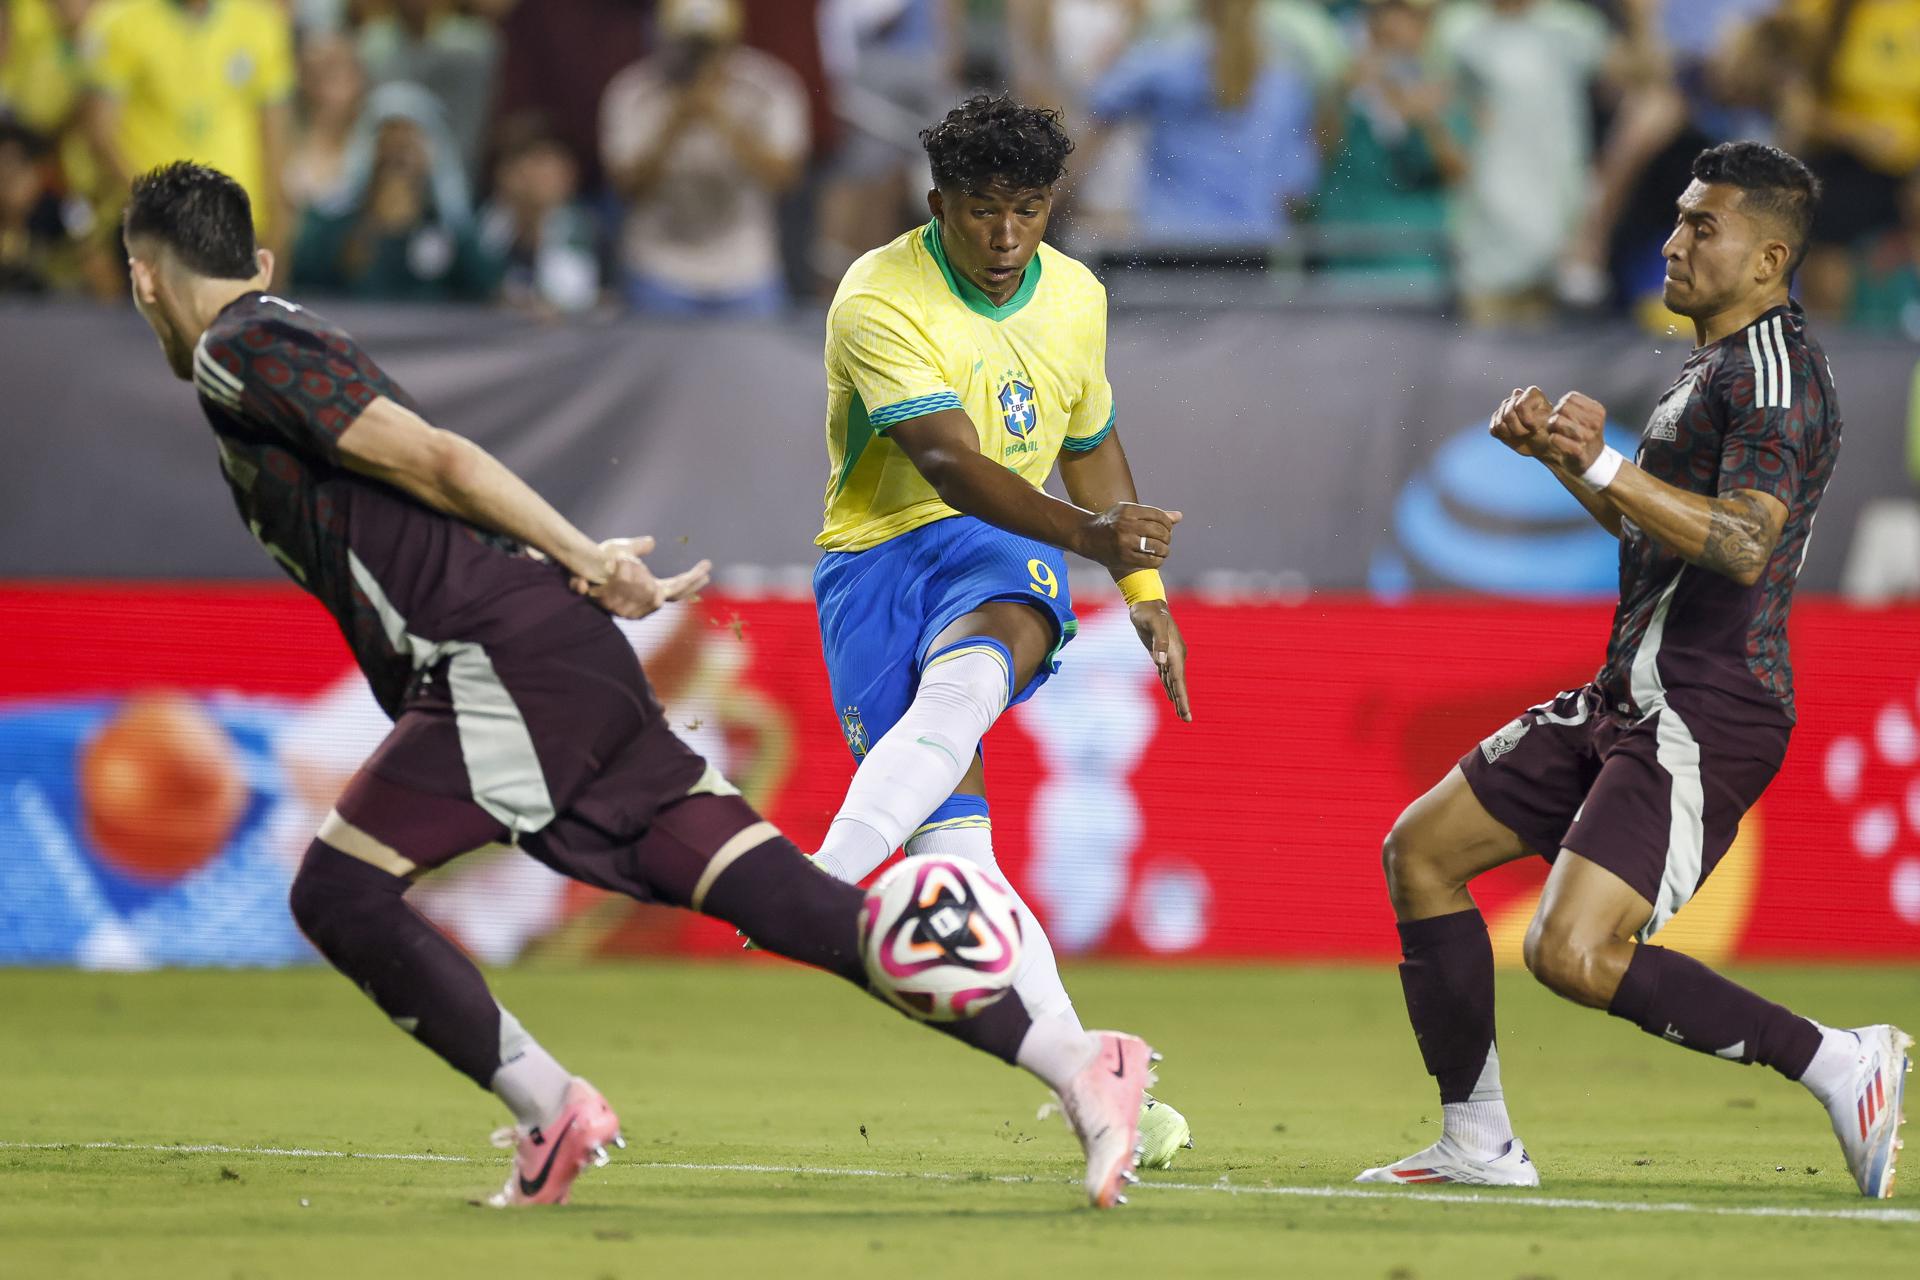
<point x="355" y="916"/>
<point x="715" y="855"/>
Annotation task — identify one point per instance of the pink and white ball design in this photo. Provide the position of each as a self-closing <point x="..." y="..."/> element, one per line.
<point x="940" y="937"/>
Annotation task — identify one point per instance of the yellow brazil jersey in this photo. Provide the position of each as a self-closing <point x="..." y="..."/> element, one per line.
<point x="1874" y="80"/>
<point x="39" y="73"/>
<point x="906" y="336"/>
<point x="41" y="83"/>
<point x="191" y="85"/>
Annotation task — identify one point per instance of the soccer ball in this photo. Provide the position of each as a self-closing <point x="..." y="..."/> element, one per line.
<point x="940" y="937"/>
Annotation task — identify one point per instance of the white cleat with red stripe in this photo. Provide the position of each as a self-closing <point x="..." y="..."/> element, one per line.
<point x="1867" y="1114"/>
<point x="1447" y="1161"/>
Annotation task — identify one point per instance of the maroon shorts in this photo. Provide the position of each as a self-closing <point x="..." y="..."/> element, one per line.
<point x="553" y="741"/>
<point x="1657" y="801"/>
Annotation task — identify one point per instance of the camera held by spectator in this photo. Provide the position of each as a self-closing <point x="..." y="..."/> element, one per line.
<point x="701" y="139"/>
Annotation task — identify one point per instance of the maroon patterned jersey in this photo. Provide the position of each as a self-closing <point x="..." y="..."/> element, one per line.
<point x="1755" y="410"/>
<point x="406" y="583"/>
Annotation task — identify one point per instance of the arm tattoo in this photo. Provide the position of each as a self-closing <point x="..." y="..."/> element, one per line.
<point x="1740" y="537"/>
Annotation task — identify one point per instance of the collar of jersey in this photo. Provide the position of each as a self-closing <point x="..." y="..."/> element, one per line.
<point x="1790" y="308"/>
<point x="970" y="293"/>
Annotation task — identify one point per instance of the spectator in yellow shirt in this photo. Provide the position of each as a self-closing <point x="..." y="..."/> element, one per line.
<point x="205" y="80"/>
<point x="1860" y="131"/>
<point x="42" y="82"/>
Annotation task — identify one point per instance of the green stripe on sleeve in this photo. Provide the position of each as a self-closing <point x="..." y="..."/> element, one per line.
<point x="1081" y="444"/>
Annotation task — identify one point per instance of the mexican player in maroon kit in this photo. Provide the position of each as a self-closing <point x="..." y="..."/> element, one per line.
<point x="480" y="617"/>
<point x="1634" y="786"/>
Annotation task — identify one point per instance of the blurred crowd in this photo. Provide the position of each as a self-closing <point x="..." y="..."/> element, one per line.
<point x="1511" y="159"/>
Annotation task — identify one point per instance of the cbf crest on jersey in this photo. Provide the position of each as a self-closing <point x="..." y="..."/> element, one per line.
<point x="856" y="730"/>
<point x="1018" y="409"/>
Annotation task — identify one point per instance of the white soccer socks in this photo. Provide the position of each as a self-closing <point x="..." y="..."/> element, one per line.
<point x="1056" y="1050"/>
<point x="920" y="760"/>
<point x="1480" y="1125"/>
<point x="530" y="1081"/>
<point x="1833" y="1065"/>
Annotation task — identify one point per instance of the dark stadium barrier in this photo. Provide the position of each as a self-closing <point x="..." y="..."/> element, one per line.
<point x="1343" y="451"/>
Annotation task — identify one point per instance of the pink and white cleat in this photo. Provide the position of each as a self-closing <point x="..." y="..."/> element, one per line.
<point x="1103" y="1106"/>
<point x="1868" y="1113"/>
<point x="547" y="1160"/>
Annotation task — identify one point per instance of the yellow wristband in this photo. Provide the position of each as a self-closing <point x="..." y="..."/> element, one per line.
<point x="1141" y="586"/>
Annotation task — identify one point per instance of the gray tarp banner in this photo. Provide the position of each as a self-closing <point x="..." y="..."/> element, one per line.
<point x="1324" y="451"/>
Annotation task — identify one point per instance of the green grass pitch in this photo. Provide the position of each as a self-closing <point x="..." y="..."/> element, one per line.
<point x="884" y="1150"/>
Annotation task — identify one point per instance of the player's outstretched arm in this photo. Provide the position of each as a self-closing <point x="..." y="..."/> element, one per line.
<point x="1520" y="423"/>
<point x="1733" y="534"/>
<point x="452" y="474"/>
<point x="1098" y="479"/>
<point x="945" y="448"/>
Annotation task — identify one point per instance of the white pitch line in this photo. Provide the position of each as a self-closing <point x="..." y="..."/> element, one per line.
<point x="214" y="1148"/>
<point x="1479" y="1198"/>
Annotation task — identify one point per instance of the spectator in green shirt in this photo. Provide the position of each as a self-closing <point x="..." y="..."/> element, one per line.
<point x="1391" y="149"/>
<point x="400" y="227"/>
<point x="1886" y="291"/>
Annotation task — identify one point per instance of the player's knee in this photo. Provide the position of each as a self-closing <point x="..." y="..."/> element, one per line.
<point x="1563" y="961"/>
<point x="312" y="901"/>
<point x="332" y="889"/>
<point x="1411" y="870"/>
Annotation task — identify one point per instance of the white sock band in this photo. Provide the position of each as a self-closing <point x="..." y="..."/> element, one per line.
<point x="1480" y="1124"/>
<point x="1482" y="1128"/>
<point x="916" y="764"/>
<point x="530" y="1081"/>
<point x="1055" y="1050"/>
<point x="1833" y="1063"/>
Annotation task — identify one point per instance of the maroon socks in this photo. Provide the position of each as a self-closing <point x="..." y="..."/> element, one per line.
<point x="355" y="915"/>
<point x="1447" y="975"/>
<point x="1677" y="998"/>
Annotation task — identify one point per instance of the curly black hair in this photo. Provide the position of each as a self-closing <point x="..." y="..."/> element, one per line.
<point x="986" y="138"/>
<point x="200" y="213"/>
<point x="1775" y="185"/>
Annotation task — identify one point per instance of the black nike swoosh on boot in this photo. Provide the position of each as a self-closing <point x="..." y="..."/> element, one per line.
<point x="532" y="1188"/>
<point x="1120" y="1053"/>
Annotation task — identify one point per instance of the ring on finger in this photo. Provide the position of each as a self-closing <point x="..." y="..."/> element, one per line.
<point x="1143" y="544"/>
